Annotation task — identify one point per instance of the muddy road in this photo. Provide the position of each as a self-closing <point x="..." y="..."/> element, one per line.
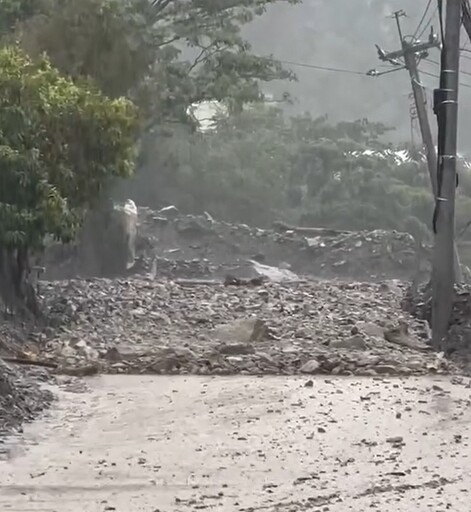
<point x="133" y="443"/>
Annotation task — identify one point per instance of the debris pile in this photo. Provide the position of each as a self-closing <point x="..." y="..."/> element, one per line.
<point x="323" y="253"/>
<point x="145" y="326"/>
<point x="458" y="347"/>
<point x="21" y="397"/>
<point x="208" y="297"/>
<point x="172" y="245"/>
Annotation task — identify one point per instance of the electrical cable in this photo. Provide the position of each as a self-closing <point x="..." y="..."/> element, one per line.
<point x="429" y="22"/>
<point x="466" y="19"/>
<point x="437" y="63"/>
<point x="440" y="20"/>
<point x="422" y="19"/>
<point x="321" y="68"/>
<point x="351" y="71"/>
<point x="426" y="73"/>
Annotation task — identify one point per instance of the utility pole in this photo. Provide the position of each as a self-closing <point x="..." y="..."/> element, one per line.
<point x="409" y="52"/>
<point x="447" y="109"/>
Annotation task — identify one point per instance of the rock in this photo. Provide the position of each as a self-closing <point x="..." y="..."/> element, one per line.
<point x="371" y="329"/>
<point x="171" y="212"/>
<point x="385" y="369"/>
<point x="193" y="226"/>
<point x="242" y="331"/>
<point x="112" y="355"/>
<point x="259" y="257"/>
<point x="235" y="359"/>
<point x="79" y="371"/>
<point x="355" y="342"/>
<point x="395" y="440"/>
<point x="284" y="328"/>
<point x="310" y="367"/>
<point x="236" y="349"/>
<point x="315" y="242"/>
<point x="231" y="280"/>
<point x="274" y="274"/>
<point x="165" y="364"/>
<point x="399" y="335"/>
<point x="22" y="397"/>
<point x="209" y="217"/>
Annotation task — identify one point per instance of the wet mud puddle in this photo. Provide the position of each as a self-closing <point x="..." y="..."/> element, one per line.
<point x="169" y="444"/>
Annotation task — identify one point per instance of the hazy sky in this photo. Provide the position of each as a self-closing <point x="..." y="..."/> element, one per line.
<point x="342" y="34"/>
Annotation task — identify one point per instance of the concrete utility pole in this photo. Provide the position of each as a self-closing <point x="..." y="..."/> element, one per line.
<point x="447" y="108"/>
<point x="409" y="52"/>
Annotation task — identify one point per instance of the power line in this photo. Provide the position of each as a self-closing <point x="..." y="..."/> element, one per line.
<point x="423" y="18"/>
<point x="429" y="22"/>
<point x="438" y="64"/>
<point x="361" y="73"/>
<point x="321" y="68"/>
<point x="426" y="73"/>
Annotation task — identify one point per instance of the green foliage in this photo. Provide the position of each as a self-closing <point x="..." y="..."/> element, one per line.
<point x="60" y="144"/>
<point x="165" y="55"/>
<point x="237" y="173"/>
<point x="258" y="165"/>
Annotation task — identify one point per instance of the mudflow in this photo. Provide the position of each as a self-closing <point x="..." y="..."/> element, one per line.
<point x="205" y="301"/>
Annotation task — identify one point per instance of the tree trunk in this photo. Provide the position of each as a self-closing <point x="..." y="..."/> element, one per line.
<point x="16" y="286"/>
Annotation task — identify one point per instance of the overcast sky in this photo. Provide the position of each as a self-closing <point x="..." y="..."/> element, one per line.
<point x="342" y="34"/>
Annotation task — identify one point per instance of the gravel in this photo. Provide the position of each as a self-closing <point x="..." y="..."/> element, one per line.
<point x="169" y="327"/>
<point x="21" y="397"/>
<point x="153" y="322"/>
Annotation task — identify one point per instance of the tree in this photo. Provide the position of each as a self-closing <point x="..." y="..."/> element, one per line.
<point x="15" y="11"/>
<point x="164" y="54"/>
<point x="238" y="172"/>
<point x="257" y="165"/>
<point x="60" y="144"/>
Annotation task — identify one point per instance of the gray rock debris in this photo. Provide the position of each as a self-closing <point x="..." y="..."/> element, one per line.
<point x="375" y="255"/>
<point x="21" y="397"/>
<point x="209" y="328"/>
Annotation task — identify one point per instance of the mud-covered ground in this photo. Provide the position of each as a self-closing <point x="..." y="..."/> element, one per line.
<point x="176" y="444"/>
<point x="160" y="320"/>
